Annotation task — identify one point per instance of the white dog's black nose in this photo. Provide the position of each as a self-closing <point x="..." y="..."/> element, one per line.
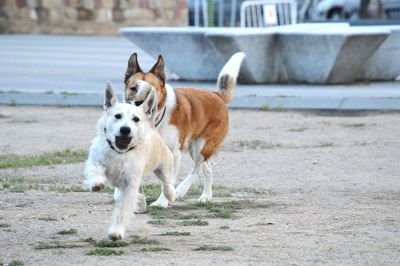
<point x="125" y="131"/>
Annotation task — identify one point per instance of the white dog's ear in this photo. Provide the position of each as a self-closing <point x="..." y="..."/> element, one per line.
<point x="150" y="104"/>
<point x="110" y="98"/>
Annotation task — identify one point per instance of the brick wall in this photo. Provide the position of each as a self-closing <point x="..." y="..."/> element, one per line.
<point x="102" y="17"/>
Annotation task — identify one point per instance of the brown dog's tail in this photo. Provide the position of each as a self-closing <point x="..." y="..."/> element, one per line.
<point x="227" y="77"/>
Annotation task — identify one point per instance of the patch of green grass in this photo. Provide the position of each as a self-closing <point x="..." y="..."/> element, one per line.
<point x="256" y="191"/>
<point x="176" y="233"/>
<point x="218" y="191"/>
<point x="47" y="219"/>
<point x="143" y="241"/>
<point x="22" y="121"/>
<point x="225" y="227"/>
<point x="356" y="125"/>
<point x="104" y="252"/>
<point x="12" y="91"/>
<point x="155" y="249"/>
<point x="4" y="225"/>
<point x="157" y="222"/>
<point x="255" y="144"/>
<point x="61" y="157"/>
<point x="325" y="145"/>
<point x="152" y="190"/>
<point x="266" y="107"/>
<point x="16" y="184"/>
<point x="55" y="245"/>
<point x="161" y="213"/>
<point x="195" y="190"/>
<point x="65" y="189"/>
<point x="213" y="248"/>
<point x="194" y="223"/>
<point x="110" y="244"/>
<point x="223" y="210"/>
<point x="69" y="231"/>
<point x="223" y="213"/>
<point x="65" y="93"/>
<point x="19" y="184"/>
<point x="89" y="240"/>
<point x="108" y="190"/>
<point x="298" y="129"/>
<point x="16" y="263"/>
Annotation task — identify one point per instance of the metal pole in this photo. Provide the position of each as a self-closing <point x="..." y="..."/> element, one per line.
<point x="221" y="13"/>
<point x="205" y="12"/>
<point x="196" y="13"/>
<point x="233" y="13"/>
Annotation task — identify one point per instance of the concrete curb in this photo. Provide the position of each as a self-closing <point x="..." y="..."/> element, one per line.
<point x="381" y="96"/>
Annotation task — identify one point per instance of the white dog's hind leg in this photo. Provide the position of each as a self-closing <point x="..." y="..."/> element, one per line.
<point x="207" y="190"/>
<point x="166" y="175"/>
<point x="142" y="204"/>
<point x="162" y="201"/>
<point x="117" y="194"/>
<point x="123" y="211"/>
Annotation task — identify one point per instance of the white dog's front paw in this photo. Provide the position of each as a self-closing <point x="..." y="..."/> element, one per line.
<point x="116" y="232"/>
<point x="204" y="198"/>
<point x="97" y="183"/>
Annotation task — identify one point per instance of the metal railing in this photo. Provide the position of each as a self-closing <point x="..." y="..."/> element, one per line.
<point x="265" y="13"/>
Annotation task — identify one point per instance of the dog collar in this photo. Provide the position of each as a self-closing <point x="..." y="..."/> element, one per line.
<point x="161" y="116"/>
<point x="114" y="149"/>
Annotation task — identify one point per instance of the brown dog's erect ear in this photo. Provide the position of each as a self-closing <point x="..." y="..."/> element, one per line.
<point x="158" y="69"/>
<point x="133" y="66"/>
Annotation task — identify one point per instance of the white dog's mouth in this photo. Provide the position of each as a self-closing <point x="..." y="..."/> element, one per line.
<point x="122" y="142"/>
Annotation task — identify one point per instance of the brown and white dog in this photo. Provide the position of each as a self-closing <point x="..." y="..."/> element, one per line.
<point x="187" y="118"/>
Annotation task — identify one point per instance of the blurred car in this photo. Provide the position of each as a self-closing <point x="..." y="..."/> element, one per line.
<point x="339" y="9"/>
<point x="391" y="8"/>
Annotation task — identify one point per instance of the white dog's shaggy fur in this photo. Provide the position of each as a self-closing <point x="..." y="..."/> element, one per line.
<point x="127" y="146"/>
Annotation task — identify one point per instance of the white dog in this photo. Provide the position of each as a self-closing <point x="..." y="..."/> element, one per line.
<point x="127" y="146"/>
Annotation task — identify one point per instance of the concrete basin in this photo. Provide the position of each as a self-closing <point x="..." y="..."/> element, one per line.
<point x="302" y="53"/>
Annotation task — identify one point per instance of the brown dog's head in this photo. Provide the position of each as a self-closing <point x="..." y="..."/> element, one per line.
<point x="155" y="77"/>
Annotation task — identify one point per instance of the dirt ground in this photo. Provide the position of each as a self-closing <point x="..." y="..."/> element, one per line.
<point x="312" y="188"/>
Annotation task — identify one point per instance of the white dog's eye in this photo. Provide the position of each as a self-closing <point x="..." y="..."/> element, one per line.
<point x="118" y="116"/>
<point x="135" y="119"/>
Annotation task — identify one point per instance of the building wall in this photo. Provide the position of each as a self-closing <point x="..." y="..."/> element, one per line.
<point x="100" y="17"/>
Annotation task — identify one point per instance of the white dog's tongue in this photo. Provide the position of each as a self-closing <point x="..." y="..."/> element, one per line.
<point x="122" y="142"/>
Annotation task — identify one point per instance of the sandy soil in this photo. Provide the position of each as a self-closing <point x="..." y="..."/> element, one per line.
<point x="331" y="184"/>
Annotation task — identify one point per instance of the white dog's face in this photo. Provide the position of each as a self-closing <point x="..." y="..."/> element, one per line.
<point x="125" y="124"/>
